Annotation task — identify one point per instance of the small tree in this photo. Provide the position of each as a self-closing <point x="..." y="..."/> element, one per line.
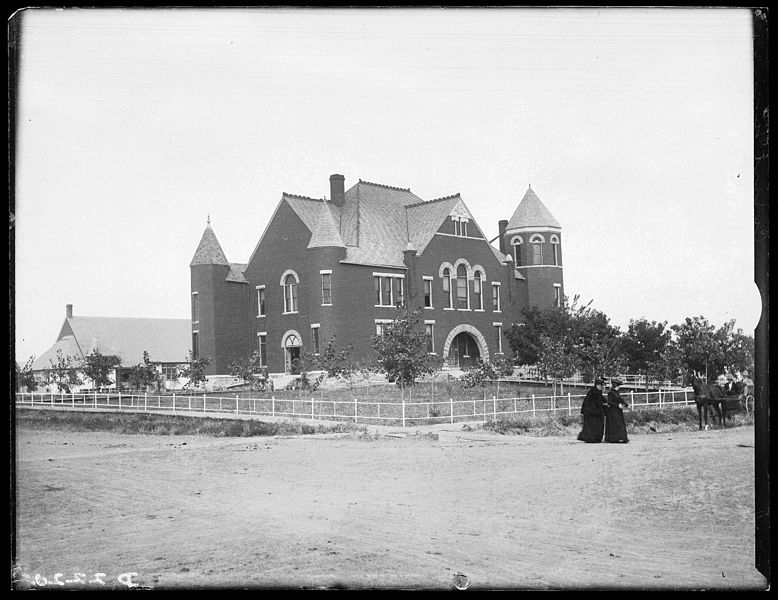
<point x="402" y="349"/>
<point x="556" y="360"/>
<point x="25" y="377"/>
<point x="65" y="372"/>
<point x="194" y="371"/>
<point x="250" y="370"/>
<point x="144" y="375"/>
<point x="98" y="367"/>
<point x="645" y="345"/>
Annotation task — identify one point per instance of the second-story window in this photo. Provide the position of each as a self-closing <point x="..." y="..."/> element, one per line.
<point x="555" y="249"/>
<point x="290" y="294"/>
<point x="477" y="295"/>
<point x="195" y="309"/>
<point x="496" y="297"/>
<point x="326" y="288"/>
<point x="537" y="249"/>
<point x="260" y="300"/>
<point x="428" y="292"/>
<point x="389" y="289"/>
<point x="516" y="245"/>
<point x="447" y="287"/>
<point x="463" y="301"/>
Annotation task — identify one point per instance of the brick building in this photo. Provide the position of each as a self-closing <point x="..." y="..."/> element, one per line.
<point x="337" y="267"/>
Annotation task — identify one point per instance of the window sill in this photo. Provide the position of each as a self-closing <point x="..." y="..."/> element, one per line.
<point x="464" y="309"/>
<point x="327" y="304"/>
<point x="498" y="310"/>
<point x="448" y="309"/>
<point x="478" y="310"/>
<point x="261" y="316"/>
<point x="294" y="312"/>
<point x="429" y="308"/>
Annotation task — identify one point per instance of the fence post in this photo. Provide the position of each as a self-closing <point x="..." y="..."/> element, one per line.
<point x="254" y="405"/>
<point x="159" y="401"/>
<point x="403" y="412"/>
<point x="313" y="399"/>
<point x="533" y="405"/>
<point x="569" y="405"/>
<point x="273" y="406"/>
<point x="72" y="400"/>
<point x="203" y="404"/>
<point x="428" y="411"/>
<point x="685" y="396"/>
<point x="220" y="403"/>
<point x="145" y="402"/>
<point x="632" y="398"/>
<point x="451" y="403"/>
<point x="494" y="407"/>
<point x="189" y="405"/>
<point x="94" y="405"/>
<point x="355" y="411"/>
<point x="120" y="402"/>
<point x="236" y="403"/>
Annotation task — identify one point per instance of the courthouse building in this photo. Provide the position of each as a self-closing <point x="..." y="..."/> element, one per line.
<point x="337" y="267"/>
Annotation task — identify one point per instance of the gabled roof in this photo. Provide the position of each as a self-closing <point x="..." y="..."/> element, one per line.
<point x="531" y="212"/>
<point x="209" y="251"/>
<point x="166" y="340"/>
<point x="325" y="230"/>
<point x="376" y="222"/>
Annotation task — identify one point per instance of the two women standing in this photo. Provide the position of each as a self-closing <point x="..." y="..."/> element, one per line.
<point x="601" y="416"/>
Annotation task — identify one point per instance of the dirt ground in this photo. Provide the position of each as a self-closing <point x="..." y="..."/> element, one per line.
<point x="666" y="511"/>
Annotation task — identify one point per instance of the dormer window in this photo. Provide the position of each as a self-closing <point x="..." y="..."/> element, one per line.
<point x="460" y="226"/>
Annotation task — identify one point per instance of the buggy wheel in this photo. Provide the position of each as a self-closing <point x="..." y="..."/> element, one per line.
<point x="749" y="402"/>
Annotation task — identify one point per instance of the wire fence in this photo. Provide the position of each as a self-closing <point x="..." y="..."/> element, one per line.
<point x="404" y="413"/>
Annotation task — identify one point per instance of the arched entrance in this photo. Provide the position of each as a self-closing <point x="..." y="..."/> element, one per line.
<point x="292" y="346"/>
<point x="463" y="346"/>
<point x="463" y="351"/>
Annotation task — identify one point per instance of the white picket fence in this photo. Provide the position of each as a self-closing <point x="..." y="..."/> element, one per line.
<point x="403" y="413"/>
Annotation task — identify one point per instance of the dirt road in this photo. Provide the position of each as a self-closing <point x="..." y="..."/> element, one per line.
<point x="666" y="511"/>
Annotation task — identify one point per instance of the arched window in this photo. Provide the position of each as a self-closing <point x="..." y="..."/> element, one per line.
<point x="290" y="293"/>
<point x="477" y="291"/>
<point x="516" y="243"/>
<point x="537" y="249"/>
<point x="447" y="287"/>
<point x="555" y="248"/>
<point x="463" y="300"/>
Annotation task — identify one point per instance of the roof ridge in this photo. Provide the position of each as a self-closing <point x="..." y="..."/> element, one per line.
<point x="383" y="185"/>
<point x="434" y="200"/>
<point x="304" y="197"/>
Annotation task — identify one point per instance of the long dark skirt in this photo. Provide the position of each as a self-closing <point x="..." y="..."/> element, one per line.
<point x="615" y="427"/>
<point x="593" y="426"/>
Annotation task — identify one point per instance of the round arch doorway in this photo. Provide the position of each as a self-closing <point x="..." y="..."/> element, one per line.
<point x="463" y="351"/>
<point x="293" y="347"/>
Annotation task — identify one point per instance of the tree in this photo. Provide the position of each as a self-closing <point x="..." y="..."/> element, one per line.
<point x="144" y="375"/>
<point x="194" y="371"/>
<point x="596" y="343"/>
<point x="402" y="349"/>
<point x="525" y="339"/>
<point x="556" y="361"/>
<point x="250" y="370"/>
<point x="98" y="367"/>
<point x="645" y="345"/>
<point x="736" y="349"/>
<point x="25" y="377"/>
<point x="697" y="346"/>
<point x="65" y="372"/>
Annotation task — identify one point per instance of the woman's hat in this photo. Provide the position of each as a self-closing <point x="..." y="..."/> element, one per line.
<point x="598" y="381"/>
<point x="616" y="382"/>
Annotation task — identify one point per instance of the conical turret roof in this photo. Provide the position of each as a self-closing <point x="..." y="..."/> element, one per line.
<point x="325" y="232"/>
<point x="209" y="251"/>
<point x="531" y="212"/>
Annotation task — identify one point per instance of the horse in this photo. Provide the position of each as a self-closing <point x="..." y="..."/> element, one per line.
<point x="709" y="396"/>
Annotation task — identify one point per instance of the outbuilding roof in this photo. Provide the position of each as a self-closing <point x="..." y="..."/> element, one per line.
<point x="166" y="340"/>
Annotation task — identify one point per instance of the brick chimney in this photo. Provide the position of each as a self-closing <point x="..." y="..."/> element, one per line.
<point x="69" y="311"/>
<point x="337" y="190"/>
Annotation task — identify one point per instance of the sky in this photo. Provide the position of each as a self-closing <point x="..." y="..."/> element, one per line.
<point x="134" y="126"/>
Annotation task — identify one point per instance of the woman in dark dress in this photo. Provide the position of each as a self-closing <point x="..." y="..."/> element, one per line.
<point x="592" y="409"/>
<point x="615" y="427"/>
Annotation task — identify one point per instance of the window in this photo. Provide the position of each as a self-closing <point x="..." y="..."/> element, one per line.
<point x="555" y="248"/>
<point x="516" y="243"/>
<point x="170" y="373"/>
<point x="315" y="338"/>
<point x="463" y="301"/>
<point x="537" y="249"/>
<point x="457" y="230"/>
<point x="260" y="300"/>
<point x="447" y="287"/>
<point x="326" y="288"/>
<point x="460" y="226"/>
<point x="557" y="294"/>
<point x="496" y="297"/>
<point x="380" y="326"/>
<point x="195" y="309"/>
<point x="429" y="335"/>
<point x="498" y="335"/>
<point x="388" y="289"/>
<point x="477" y="295"/>
<point x="290" y="294"/>
<point x="464" y="228"/>
<point x="195" y="345"/>
<point x="262" y="348"/>
<point x="428" y="292"/>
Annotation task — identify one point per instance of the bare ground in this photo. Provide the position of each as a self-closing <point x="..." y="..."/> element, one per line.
<point x="666" y="511"/>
